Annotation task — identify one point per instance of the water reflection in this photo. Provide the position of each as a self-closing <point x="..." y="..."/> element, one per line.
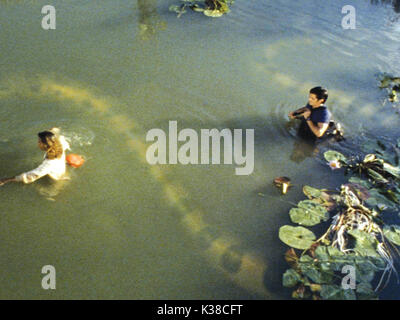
<point x="50" y="188"/>
<point x="149" y="20"/>
<point x="302" y="150"/>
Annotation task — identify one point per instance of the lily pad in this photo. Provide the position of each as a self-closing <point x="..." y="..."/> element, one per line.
<point x="311" y="192"/>
<point x="332" y="155"/>
<point x="335" y="292"/>
<point x="377" y="199"/>
<point x="313" y="272"/>
<point x="365" y="243"/>
<point x="365" y="291"/>
<point x="290" y="278"/>
<point x="392" y="233"/>
<point x="296" y="237"/>
<point x="308" y="213"/>
<point x="361" y="182"/>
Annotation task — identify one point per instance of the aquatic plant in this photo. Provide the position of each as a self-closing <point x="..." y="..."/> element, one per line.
<point x="357" y="236"/>
<point x="210" y="8"/>
<point x="392" y="85"/>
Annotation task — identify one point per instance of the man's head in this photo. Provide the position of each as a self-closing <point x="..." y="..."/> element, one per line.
<point x="317" y="96"/>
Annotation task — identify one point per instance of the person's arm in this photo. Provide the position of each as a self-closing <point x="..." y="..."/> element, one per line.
<point x="33" y="175"/>
<point x="6" y="180"/>
<point x="297" y="112"/>
<point x="318" y="129"/>
<point x="30" y="176"/>
<point x="322" y="125"/>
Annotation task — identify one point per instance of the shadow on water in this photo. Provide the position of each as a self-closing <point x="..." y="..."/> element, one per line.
<point x="274" y="128"/>
<point x="149" y="22"/>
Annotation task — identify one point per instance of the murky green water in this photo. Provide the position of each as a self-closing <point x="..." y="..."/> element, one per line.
<point x="111" y="72"/>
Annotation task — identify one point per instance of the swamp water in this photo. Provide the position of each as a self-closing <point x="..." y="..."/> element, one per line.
<point x="121" y="228"/>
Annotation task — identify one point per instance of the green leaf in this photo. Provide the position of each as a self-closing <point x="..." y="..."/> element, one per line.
<point x="376" y="199"/>
<point x="290" y="278"/>
<point x="312" y="270"/>
<point x="308" y="269"/>
<point x="321" y="253"/>
<point x="335" y="292"/>
<point x="339" y="259"/>
<point x="365" y="291"/>
<point x="311" y="192"/>
<point x="349" y="294"/>
<point x="365" y="275"/>
<point x="392" y="233"/>
<point x="296" y="237"/>
<point x="365" y="243"/>
<point x="331" y="292"/>
<point x="332" y="155"/>
<point x="361" y="182"/>
<point x="377" y="177"/>
<point x="394" y="171"/>
<point x="334" y="252"/>
<point x="213" y="13"/>
<point x="308" y="213"/>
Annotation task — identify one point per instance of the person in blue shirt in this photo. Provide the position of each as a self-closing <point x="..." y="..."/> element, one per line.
<point x="315" y="115"/>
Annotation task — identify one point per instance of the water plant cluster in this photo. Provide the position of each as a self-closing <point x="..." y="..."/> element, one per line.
<point x="210" y="8"/>
<point x="392" y="85"/>
<point x="357" y="236"/>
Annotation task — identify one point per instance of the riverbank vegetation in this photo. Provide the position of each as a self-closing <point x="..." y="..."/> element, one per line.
<point x="210" y="8"/>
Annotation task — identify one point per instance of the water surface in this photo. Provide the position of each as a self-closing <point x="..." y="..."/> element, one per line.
<point x="111" y="72"/>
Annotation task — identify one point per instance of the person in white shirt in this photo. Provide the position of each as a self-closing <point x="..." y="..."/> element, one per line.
<point x="54" y="161"/>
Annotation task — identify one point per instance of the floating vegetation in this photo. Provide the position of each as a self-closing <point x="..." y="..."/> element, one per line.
<point x="392" y="85"/>
<point x="210" y="8"/>
<point x="356" y="238"/>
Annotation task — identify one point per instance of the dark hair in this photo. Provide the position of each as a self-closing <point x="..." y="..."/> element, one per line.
<point x="321" y="93"/>
<point x="53" y="145"/>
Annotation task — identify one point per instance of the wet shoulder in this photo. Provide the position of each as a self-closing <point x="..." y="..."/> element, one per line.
<point x="321" y="114"/>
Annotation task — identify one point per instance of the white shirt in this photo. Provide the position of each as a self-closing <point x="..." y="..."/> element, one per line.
<point x="55" y="168"/>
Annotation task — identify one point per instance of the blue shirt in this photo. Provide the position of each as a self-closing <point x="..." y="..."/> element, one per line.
<point x="320" y="114"/>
